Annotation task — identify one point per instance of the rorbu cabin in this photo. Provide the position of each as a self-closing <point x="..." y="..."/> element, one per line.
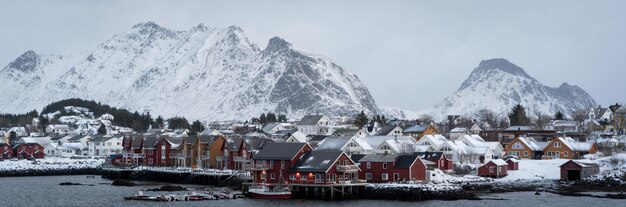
<point x="495" y="169"/>
<point x="578" y="169"/>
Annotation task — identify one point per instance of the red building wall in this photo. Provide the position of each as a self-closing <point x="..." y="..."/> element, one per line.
<point x="512" y="165"/>
<point x="483" y="171"/>
<point x="276" y="168"/>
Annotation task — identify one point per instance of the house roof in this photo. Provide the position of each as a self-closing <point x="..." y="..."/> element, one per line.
<point x="386" y="130"/>
<point x="317" y="161"/>
<point x="357" y="157"/>
<point x="416" y="128"/>
<point x="299" y="136"/>
<point x="279" y="151"/>
<point x="334" y="143"/>
<point x="317" y="137"/>
<point x="582" y="163"/>
<point x="518" y="128"/>
<point x="432" y="156"/>
<point x="405" y="161"/>
<point x="564" y="123"/>
<point x="376" y="141"/>
<point x="78" y="137"/>
<point x="459" y="130"/>
<point x="512" y="160"/>
<point x="269" y="127"/>
<point x="310" y="119"/>
<point x="379" y="158"/>
<point x="498" y="162"/>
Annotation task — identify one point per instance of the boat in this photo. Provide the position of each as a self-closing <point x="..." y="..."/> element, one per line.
<point x="266" y="191"/>
<point x="141" y="197"/>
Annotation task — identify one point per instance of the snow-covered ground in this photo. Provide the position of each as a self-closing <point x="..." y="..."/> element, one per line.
<point x="50" y="164"/>
<point x="536" y="170"/>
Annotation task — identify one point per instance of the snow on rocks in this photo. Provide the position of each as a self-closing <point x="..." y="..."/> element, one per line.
<point x="49" y="164"/>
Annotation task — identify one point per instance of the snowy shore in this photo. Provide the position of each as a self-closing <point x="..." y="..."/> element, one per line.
<point x="50" y="166"/>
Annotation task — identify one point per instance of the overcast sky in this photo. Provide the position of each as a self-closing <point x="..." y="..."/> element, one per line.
<point x="410" y="54"/>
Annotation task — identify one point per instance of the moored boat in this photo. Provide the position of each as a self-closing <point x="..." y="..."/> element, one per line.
<point x="265" y="191"/>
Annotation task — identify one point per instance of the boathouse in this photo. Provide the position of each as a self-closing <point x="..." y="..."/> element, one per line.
<point x="513" y="164"/>
<point x="578" y="169"/>
<point x="496" y="168"/>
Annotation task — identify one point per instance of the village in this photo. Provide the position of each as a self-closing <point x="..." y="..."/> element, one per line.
<point x="319" y="150"/>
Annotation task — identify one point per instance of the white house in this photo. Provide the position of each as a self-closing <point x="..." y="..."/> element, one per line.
<point x="104" y="145"/>
<point x="390" y="130"/>
<point x="474" y="140"/>
<point x="19" y="131"/>
<point x="272" y="128"/>
<point x="315" y="125"/>
<point x="380" y="145"/>
<point x="297" y="136"/>
<point x="57" y="129"/>
<point x="65" y="149"/>
<point x="346" y="144"/>
<point x="458" y="132"/>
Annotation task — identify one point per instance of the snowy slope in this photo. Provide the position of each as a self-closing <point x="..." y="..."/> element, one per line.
<point x="498" y="85"/>
<point x="202" y="73"/>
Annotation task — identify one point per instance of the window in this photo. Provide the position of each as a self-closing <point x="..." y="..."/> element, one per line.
<point x="557" y="144"/>
<point x="108" y="143"/>
<point x="271" y="163"/>
<point x="318" y="178"/>
<point x="446" y="149"/>
<point x="525" y="153"/>
<point x="282" y="164"/>
<point x="396" y="176"/>
<point x="368" y="165"/>
<point x="385" y="176"/>
<point x="425" y="143"/>
<point x="517" y="145"/>
<point x="303" y="177"/>
<point x="565" y="154"/>
<point x="150" y="161"/>
<point x="384" y="165"/>
<point x="272" y="176"/>
<point x="292" y="177"/>
<point x="491" y="169"/>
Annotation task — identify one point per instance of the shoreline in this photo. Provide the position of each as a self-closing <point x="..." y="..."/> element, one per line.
<point x="403" y="192"/>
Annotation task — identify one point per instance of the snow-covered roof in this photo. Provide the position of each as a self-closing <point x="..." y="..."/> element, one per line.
<point x="416" y="128"/>
<point x="518" y="128"/>
<point x="437" y="140"/>
<point x="335" y="143"/>
<point x="512" y="160"/>
<point x="39" y="140"/>
<point x="363" y="144"/>
<point x="375" y="141"/>
<point x="299" y="136"/>
<point x="459" y="130"/>
<point x="499" y="162"/>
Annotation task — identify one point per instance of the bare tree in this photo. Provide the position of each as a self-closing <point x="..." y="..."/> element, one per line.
<point x="487" y="116"/>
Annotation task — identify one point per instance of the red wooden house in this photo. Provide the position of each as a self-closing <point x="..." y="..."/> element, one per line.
<point x="513" y="164"/>
<point x="324" y="167"/>
<point x="495" y="168"/>
<point x="148" y="149"/>
<point x="237" y="152"/>
<point x="439" y="158"/>
<point x="380" y="168"/>
<point x="29" y="150"/>
<point x="6" y="151"/>
<point x="273" y="162"/>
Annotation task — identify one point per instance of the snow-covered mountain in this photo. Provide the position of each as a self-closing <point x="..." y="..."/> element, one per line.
<point x="202" y="73"/>
<point x="498" y="85"/>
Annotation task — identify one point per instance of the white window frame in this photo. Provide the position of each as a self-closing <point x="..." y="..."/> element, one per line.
<point x="492" y="169"/>
<point x="384" y="165"/>
<point x="368" y="176"/>
<point x="385" y="176"/>
<point x="272" y="176"/>
<point x="368" y="165"/>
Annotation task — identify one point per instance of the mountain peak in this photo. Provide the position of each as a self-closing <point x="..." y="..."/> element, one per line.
<point x="277" y="44"/>
<point x="151" y="29"/>
<point x="502" y="65"/>
<point x="26" y="62"/>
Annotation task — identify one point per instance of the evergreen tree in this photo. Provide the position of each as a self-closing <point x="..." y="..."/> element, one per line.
<point x="517" y="116"/>
<point x="102" y="129"/>
<point x="282" y="118"/>
<point x="178" y="123"/>
<point x="196" y="127"/>
<point x="361" y="120"/>
<point x="271" y="117"/>
<point x="384" y="120"/>
<point x="159" y="121"/>
<point x="263" y="118"/>
<point x="559" y="116"/>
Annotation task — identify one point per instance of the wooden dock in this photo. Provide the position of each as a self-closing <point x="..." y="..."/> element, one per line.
<point x="334" y="191"/>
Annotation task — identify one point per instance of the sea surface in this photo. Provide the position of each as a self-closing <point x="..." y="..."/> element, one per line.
<point x="46" y="191"/>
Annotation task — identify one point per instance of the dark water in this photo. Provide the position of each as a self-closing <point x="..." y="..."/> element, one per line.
<point x="46" y="191"/>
